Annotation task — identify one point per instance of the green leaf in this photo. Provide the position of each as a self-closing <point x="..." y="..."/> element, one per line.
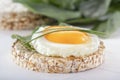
<point x="94" y="8"/>
<point x="36" y="28"/>
<point x="109" y="26"/>
<point x="115" y="1"/>
<point x="64" y="24"/>
<point x="81" y="20"/>
<point x="66" y="4"/>
<point x="23" y="41"/>
<point x="115" y="6"/>
<point x="50" y="10"/>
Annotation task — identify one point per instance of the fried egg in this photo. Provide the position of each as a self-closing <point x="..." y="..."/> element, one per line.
<point x="64" y="43"/>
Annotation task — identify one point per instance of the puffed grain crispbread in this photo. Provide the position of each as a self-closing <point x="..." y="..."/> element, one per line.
<point x="32" y="60"/>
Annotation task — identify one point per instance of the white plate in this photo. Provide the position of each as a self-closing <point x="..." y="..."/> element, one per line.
<point x="108" y="71"/>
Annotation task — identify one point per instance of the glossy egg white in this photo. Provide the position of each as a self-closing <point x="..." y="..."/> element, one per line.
<point x="48" y="48"/>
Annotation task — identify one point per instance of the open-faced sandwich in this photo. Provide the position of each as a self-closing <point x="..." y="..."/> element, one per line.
<point x="14" y="16"/>
<point x="58" y="49"/>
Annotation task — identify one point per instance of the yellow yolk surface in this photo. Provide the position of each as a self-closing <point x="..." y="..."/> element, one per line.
<point x="68" y="37"/>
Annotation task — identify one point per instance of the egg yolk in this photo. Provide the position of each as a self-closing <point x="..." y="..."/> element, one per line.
<point x="68" y="37"/>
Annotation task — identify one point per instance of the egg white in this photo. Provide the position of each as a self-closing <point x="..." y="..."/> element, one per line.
<point x="48" y="48"/>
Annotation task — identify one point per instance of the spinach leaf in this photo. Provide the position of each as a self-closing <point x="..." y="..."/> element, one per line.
<point x="94" y="8"/>
<point x="115" y="6"/>
<point x="50" y="10"/>
<point x="66" y="4"/>
<point x="79" y="11"/>
<point x="109" y="26"/>
<point x="115" y="1"/>
<point x="81" y="20"/>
